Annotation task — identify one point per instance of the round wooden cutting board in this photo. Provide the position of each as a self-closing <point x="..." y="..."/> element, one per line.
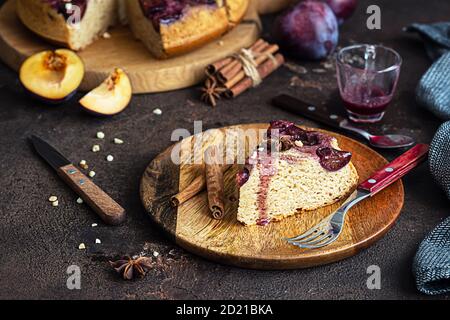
<point x="227" y="241"/>
<point x="147" y="74"/>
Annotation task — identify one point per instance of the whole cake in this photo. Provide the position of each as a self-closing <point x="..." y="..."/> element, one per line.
<point x="166" y="27"/>
<point x="306" y="171"/>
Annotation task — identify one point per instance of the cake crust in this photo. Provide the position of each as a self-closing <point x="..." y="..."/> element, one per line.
<point x="236" y="10"/>
<point x="40" y="18"/>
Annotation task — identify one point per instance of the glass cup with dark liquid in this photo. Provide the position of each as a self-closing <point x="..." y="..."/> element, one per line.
<point x="367" y="78"/>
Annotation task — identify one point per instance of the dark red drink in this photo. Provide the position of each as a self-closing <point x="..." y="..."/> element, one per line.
<point x="364" y="100"/>
<point x="367" y="78"/>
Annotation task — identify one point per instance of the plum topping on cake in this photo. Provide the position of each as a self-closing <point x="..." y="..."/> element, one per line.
<point x="168" y="11"/>
<point x="311" y="142"/>
<point x="242" y="177"/>
<point x="64" y="6"/>
<point x="332" y="159"/>
<point x="293" y="145"/>
<point x="286" y="129"/>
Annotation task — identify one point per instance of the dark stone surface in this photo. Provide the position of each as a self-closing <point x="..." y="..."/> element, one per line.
<point x="39" y="242"/>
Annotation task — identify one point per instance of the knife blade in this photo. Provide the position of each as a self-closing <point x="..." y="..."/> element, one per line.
<point x="108" y="209"/>
<point x="50" y="154"/>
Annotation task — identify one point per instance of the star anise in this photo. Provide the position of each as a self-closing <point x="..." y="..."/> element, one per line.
<point x="130" y="268"/>
<point x="212" y="91"/>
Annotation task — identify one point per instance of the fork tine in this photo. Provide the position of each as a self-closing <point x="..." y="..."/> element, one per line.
<point x="303" y="235"/>
<point x="311" y="237"/>
<point x="319" y="245"/>
<point x="322" y="224"/>
<point x="314" y="241"/>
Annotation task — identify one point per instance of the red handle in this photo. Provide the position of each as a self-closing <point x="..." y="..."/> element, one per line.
<point x="395" y="169"/>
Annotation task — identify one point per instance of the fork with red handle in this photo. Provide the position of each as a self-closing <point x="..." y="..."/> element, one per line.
<point x="330" y="228"/>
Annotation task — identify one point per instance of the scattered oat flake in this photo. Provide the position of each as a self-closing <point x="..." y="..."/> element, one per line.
<point x="91" y="174"/>
<point x="95" y="148"/>
<point x="319" y="70"/>
<point x="53" y="198"/>
<point x="83" y="164"/>
<point x="328" y="65"/>
<point x="157" y="111"/>
<point x="109" y="158"/>
<point x="106" y="35"/>
<point x="100" y="135"/>
<point x="155" y="254"/>
<point x="55" y="203"/>
<point x="296" y="68"/>
<point x="220" y="43"/>
<point x="97" y="241"/>
<point x="81" y="246"/>
<point x="118" y="141"/>
<point x="94" y="225"/>
<point x="80" y="201"/>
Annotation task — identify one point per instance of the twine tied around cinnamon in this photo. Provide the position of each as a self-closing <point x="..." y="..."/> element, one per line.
<point x="250" y="66"/>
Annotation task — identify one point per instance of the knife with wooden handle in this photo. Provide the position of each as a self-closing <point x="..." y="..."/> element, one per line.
<point x="108" y="209"/>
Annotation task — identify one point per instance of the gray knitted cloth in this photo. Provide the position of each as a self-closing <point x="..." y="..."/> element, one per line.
<point x="433" y="91"/>
<point x="432" y="262"/>
<point x="439" y="157"/>
<point x="431" y="265"/>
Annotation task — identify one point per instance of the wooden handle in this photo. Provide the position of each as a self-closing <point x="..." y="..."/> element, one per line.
<point x="109" y="210"/>
<point x="307" y="110"/>
<point x="395" y="169"/>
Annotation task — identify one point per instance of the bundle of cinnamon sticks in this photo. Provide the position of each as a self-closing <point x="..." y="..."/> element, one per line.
<point x="231" y="76"/>
<point x="212" y="180"/>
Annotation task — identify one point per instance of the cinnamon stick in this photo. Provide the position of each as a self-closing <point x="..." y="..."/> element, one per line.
<point x="262" y="57"/>
<point x="213" y="68"/>
<point x="231" y="70"/>
<point x="264" y="70"/>
<point x="197" y="185"/>
<point x="214" y="182"/>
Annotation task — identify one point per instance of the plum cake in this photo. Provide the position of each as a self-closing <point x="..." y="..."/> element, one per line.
<point x="172" y="27"/>
<point x="166" y="27"/>
<point x="306" y="171"/>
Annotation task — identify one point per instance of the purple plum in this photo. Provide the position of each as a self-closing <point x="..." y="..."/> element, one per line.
<point x="309" y="30"/>
<point x="343" y="9"/>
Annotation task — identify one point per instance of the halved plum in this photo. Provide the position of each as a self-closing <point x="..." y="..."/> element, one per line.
<point x="111" y="97"/>
<point x="52" y="76"/>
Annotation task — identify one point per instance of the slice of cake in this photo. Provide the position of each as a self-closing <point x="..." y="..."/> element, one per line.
<point x="307" y="170"/>
<point x="172" y="27"/>
<point x="72" y="23"/>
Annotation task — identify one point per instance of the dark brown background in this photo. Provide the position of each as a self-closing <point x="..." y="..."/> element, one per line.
<point x="39" y="242"/>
